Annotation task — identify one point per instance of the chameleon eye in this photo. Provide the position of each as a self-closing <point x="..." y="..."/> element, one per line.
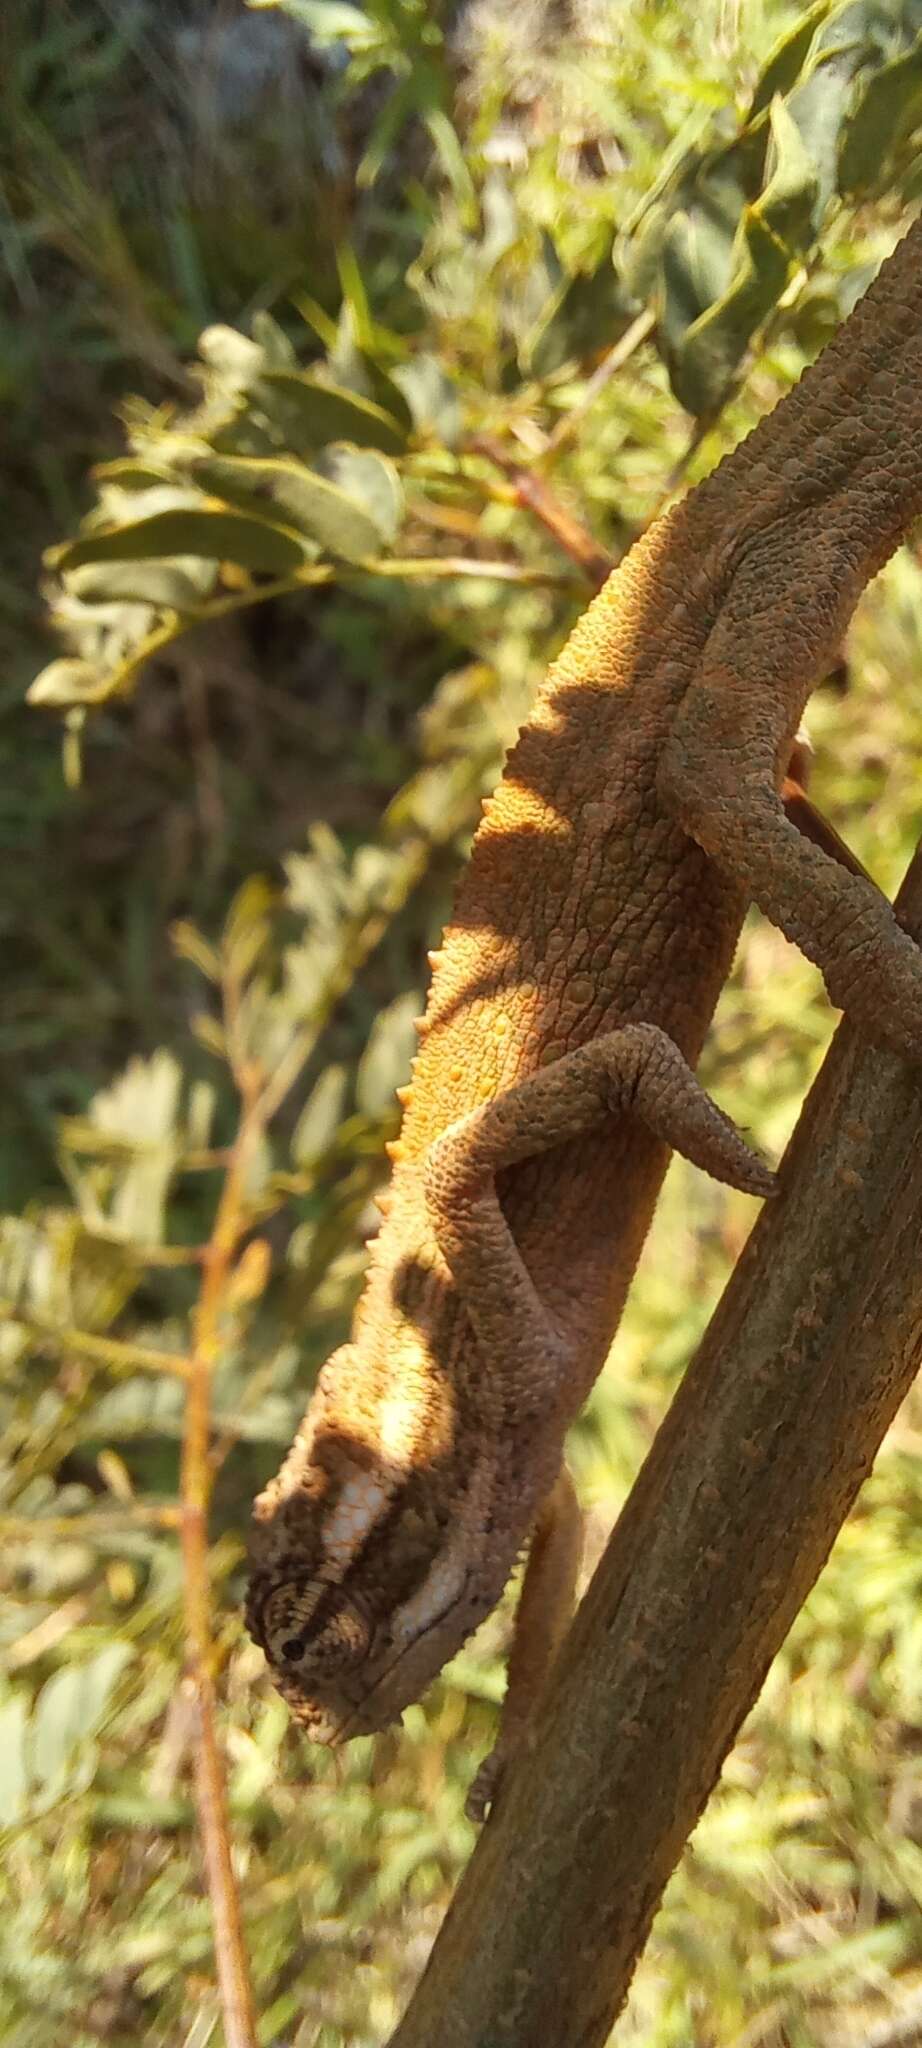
<point x="343" y="1639"/>
<point x="286" y="1616"/>
<point x="310" y="1625"/>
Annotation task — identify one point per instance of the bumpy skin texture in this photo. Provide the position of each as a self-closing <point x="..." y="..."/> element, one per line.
<point x="596" y="922"/>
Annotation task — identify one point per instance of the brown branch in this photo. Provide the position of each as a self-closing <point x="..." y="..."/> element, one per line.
<point x="47" y="1335"/>
<point x="529" y="490"/>
<point x="238" y="2010"/>
<point x="812" y="1349"/>
<point x="611" y="363"/>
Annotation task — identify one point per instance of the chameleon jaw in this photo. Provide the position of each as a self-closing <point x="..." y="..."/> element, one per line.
<point x="370" y="1691"/>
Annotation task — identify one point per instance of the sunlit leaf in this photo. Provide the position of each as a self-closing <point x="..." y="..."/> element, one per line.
<point x="69" y="1709"/>
<point x="320" y="1117"/>
<point x="889" y="108"/>
<point x="784" y="64"/>
<point x="385" y="1062"/>
<point x="211" y="532"/>
<point x="178" y="583"/>
<point x="370" y="481"/>
<point x="66" y="682"/>
<point x="310" y="413"/>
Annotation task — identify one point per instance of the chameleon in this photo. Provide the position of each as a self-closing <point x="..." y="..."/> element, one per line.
<point x="638" y="815"/>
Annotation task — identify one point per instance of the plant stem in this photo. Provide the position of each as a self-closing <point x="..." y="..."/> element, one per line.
<point x="530" y="491"/>
<point x="108" y="1351"/>
<point x="608" y="368"/>
<point x="197" y="1480"/>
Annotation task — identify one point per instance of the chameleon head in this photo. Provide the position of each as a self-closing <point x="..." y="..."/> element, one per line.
<point x="373" y="1557"/>
<point x="348" y="1661"/>
<point x="315" y="1639"/>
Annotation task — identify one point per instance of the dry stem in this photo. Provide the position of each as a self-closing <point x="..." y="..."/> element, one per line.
<point x="197" y="1481"/>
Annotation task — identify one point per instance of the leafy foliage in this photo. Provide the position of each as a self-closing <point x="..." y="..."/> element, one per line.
<point x="282" y="467"/>
<point x="491" y="211"/>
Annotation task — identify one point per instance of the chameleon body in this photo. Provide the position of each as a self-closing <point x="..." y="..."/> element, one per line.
<point x="593" y="929"/>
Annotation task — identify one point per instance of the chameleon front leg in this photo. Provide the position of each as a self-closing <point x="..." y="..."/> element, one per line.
<point x="546" y="1604"/>
<point x="635" y="1071"/>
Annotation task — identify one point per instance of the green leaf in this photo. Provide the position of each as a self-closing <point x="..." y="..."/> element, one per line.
<point x="786" y="59"/>
<point x="714" y="345"/>
<point x="320" y="1118"/>
<point x="336" y="521"/>
<point x="211" y="532"/>
<point x="67" y="682"/>
<point x="140" y="1107"/>
<point x="431" y="397"/>
<point x="696" y="269"/>
<point x="272" y="484"/>
<point x="134" y="1126"/>
<point x="190" y="944"/>
<point x="128" y="474"/>
<point x="278" y="351"/>
<point x="371" y="381"/>
<point x="385" y="1062"/>
<point x="68" y="1712"/>
<point x="818" y="105"/>
<point x="889" y="108"/>
<point x="311" y="413"/>
<point x="301" y="496"/>
<point x="639" y="256"/>
<point x="174" y="583"/>
<point x="329" y="21"/>
<point x="352" y="366"/>
<point x="709" y="351"/>
<point x="587" y="313"/>
<point x="247" y="926"/>
<point x="116" y="506"/>
<point x="14" y="1776"/>
<point x="370" y="481"/>
<point x="233" y="357"/>
<point x="789" y="198"/>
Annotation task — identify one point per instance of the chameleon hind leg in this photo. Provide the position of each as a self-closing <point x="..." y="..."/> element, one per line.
<point x="635" y="1071"/>
<point x="719" y="778"/>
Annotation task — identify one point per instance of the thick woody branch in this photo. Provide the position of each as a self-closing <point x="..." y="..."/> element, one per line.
<point x="809" y="1354"/>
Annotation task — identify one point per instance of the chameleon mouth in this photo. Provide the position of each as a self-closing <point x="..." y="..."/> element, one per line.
<point x="366" y="1717"/>
<point x="323" y="1727"/>
<point x="332" y="1728"/>
<point x="332" y="1725"/>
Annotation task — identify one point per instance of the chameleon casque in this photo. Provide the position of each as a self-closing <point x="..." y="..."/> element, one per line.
<point x="638" y="815"/>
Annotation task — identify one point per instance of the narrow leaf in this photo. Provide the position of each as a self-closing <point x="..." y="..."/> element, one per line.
<point x="369" y="481"/>
<point x="310" y="413"/>
<point x="889" y="108"/>
<point x="213" y="532"/>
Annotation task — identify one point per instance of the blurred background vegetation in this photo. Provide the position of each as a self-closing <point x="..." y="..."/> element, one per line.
<point x="423" y="311"/>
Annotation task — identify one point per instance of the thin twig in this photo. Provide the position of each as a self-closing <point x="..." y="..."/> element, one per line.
<point x="238" y="2009"/>
<point x="608" y="368"/>
<point x="92" y="1522"/>
<point x="529" y="490"/>
<point x="405" y="568"/>
<point x="110" y="1351"/>
<point x="680" y="468"/>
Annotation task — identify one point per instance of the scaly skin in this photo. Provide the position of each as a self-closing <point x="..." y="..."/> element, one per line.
<point x="593" y="930"/>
